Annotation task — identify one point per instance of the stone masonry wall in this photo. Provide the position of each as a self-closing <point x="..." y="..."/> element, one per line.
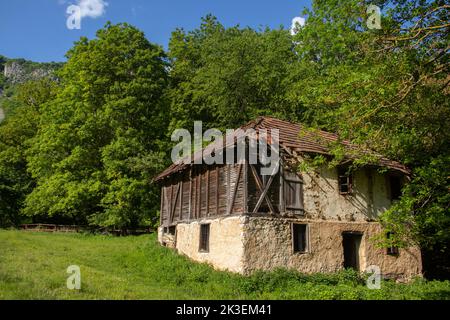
<point x="244" y="244"/>
<point x="268" y="245"/>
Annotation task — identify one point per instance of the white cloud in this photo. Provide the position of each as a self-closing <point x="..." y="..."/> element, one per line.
<point x="92" y="8"/>
<point x="297" y="23"/>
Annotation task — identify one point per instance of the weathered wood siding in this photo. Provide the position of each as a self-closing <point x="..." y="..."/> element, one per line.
<point x="204" y="191"/>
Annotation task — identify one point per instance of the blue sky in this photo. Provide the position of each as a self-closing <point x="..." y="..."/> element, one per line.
<point x="36" y="29"/>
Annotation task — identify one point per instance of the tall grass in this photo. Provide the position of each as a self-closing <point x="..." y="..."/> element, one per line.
<point x="33" y="266"/>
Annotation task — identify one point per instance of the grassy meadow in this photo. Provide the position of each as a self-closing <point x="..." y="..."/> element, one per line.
<point x="33" y="266"/>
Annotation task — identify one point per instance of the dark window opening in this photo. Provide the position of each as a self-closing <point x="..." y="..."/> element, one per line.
<point x="300" y="238"/>
<point x="204" y="238"/>
<point x="171" y="230"/>
<point x="351" y="243"/>
<point x="395" y="184"/>
<point x="391" y="250"/>
<point x="345" y="180"/>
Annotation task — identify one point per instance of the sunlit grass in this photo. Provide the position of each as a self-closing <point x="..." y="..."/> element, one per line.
<point x="33" y="266"/>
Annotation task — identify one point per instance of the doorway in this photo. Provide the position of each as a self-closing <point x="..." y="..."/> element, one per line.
<point x="351" y="242"/>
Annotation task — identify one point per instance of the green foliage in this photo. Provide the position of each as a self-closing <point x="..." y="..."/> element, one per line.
<point x="104" y="135"/>
<point x="20" y="125"/>
<point x="34" y="267"/>
<point x="227" y="76"/>
<point x="425" y="206"/>
<point x="97" y="147"/>
<point x="386" y="90"/>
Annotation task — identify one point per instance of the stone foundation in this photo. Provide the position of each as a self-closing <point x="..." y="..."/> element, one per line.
<point x="268" y="245"/>
<point x="244" y="244"/>
<point x="226" y="246"/>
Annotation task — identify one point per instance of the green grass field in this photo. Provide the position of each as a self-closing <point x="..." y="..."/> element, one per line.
<point x="33" y="266"/>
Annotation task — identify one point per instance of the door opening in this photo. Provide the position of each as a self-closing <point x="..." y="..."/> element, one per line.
<point x="351" y="243"/>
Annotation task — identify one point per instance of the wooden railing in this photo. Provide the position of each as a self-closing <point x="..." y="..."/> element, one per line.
<point x="43" y="227"/>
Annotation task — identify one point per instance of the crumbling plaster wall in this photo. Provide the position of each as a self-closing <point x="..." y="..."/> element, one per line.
<point x="268" y="245"/>
<point x="226" y="247"/>
<point x="369" y="197"/>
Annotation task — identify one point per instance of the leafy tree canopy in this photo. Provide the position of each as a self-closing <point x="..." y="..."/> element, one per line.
<point x="97" y="146"/>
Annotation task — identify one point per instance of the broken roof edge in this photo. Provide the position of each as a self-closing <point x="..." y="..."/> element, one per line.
<point x="289" y="140"/>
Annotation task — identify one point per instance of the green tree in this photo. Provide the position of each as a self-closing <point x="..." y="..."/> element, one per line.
<point x="97" y="147"/>
<point x="20" y="125"/>
<point x="387" y="90"/>
<point x="227" y="76"/>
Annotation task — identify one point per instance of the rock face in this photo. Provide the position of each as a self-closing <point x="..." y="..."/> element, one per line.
<point x="16" y="71"/>
<point x="20" y="71"/>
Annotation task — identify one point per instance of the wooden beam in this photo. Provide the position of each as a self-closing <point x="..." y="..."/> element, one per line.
<point x="166" y="203"/>
<point x="162" y="207"/>
<point x="169" y="207"/>
<point x="282" y="199"/>
<point x="174" y="204"/>
<point x="263" y="196"/>
<point x="245" y="197"/>
<point x="190" y="193"/>
<point x="263" y="190"/>
<point x="228" y="166"/>
<point x="207" y="192"/>
<point x="236" y="185"/>
<point x="181" y="201"/>
<point x="194" y="195"/>
<point x="217" y="190"/>
<point x="199" y="196"/>
<point x="246" y="164"/>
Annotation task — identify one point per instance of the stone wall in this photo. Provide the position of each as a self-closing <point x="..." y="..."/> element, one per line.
<point x="226" y="247"/>
<point x="244" y="244"/>
<point x="268" y="245"/>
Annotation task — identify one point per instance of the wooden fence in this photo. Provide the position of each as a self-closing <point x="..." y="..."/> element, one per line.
<point x="43" y="227"/>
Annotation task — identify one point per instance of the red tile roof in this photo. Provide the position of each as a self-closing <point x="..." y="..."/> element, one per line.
<point x="295" y="138"/>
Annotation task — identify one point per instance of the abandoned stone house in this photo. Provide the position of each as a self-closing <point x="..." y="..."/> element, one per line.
<point x="317" y="220"/>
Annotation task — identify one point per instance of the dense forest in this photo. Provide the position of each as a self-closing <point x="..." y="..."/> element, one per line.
<point x="83" y="145"/>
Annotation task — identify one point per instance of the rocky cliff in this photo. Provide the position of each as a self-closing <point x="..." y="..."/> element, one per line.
<point x="20" y="70"/>
<point x="16" y="71"/>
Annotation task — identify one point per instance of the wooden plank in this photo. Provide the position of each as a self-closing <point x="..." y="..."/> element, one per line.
<point x="190" y="194"/>
<point x="207" y="192"/>
<point x="263" y="195"/>
<point x="228" y="166"/>
<point x="174" y="204"/>
<point x="259" y="184"/>
<point x="245" y="197"/>
<point x="194" y="196"/>
<point x="169" y="207"/>
<point x="199" y="196"/>
<point x="282" y="199"/>
<point x="217" y="190"/>
<point x="166" y="204"/>
<point x="236" y="185"/>
<point x="162" y="207"/>
<point x="180" y="217"/>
